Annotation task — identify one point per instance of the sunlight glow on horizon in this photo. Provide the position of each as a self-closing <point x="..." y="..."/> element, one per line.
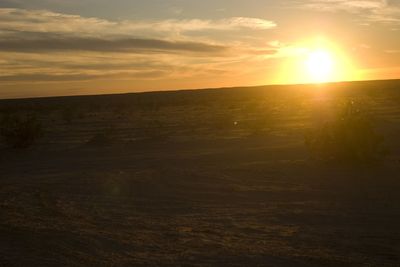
<point x="53" y="48"/>
<point x="317" y="61"/>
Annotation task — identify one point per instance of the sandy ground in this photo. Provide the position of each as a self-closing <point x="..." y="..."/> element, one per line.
<point x="192" y="179"/>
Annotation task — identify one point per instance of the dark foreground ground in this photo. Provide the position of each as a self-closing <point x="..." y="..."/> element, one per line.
<point x="202" y="178"/>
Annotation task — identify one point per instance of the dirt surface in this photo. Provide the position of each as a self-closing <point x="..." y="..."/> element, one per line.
<point x="199" y="178"/>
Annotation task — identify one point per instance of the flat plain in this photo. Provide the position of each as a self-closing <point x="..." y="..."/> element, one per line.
<point x="217" y="177"/>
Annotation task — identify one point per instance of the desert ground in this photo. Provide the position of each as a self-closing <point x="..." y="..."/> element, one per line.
<point x="217" y="177"/>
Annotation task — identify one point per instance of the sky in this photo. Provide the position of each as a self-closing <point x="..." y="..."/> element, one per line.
<point x="70" y="47"/>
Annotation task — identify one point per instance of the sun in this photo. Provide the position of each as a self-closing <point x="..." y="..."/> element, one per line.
<point x="318" y="61"/>
<point x="320" y="66"/>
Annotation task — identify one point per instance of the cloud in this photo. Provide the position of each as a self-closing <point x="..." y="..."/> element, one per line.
<point x="347" y="5"/>
<point x="24" y="30"/>
<point x="40" y="47"/>
<point x="37" y="77"/>
<point x="131" y="45"/>
<point x="371" y="10"/>
<point x="12" y="19"/>
<point x="44" y="77"/>
<point x="392" y="51"/>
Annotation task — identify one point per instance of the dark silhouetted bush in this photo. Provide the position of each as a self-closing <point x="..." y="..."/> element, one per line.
<point x="19" y="131"/>
<point x="349" y="138"/>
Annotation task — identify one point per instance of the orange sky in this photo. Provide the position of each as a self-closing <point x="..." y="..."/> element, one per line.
<point x="81" y="47"/>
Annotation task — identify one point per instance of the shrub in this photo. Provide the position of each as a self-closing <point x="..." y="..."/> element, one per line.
<point x="19" y="131"/>
<point x="349" y="137"/>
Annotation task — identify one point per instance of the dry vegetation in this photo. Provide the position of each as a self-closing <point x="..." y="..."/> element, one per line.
<point x="230" y="177"/>
<point x="349" y="137"/>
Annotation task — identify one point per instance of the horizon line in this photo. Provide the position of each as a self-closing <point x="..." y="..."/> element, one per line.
<point x="195" y="89"/>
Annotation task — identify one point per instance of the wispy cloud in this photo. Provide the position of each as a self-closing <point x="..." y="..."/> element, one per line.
<point x="370" y="10"/>
<point x="392" y="51"/>
<point x="40" y="46"/>
<point x="350" y="5"/>
<point x="131" y="45"/>
<point x="46" y="21"/>
<point x="37" y="77"/>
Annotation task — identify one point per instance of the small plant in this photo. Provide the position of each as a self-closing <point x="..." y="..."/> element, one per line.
<point x="19" y="131"/>
<point x="349" y="137"/>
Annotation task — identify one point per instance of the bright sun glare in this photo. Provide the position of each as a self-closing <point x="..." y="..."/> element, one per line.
<point x="317" y="61"/>
<point x="320" y="66"/>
